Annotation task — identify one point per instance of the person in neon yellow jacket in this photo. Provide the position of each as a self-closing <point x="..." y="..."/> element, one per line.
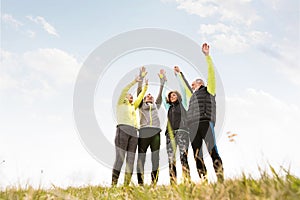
<point x="126" y="139"/>
<point x="201" y="117"/>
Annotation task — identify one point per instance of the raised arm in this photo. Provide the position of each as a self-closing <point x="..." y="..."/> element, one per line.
<point x="211" y="79"/>
<point x="125" y="90"/>
<point x="140" y="97"/>
<point x="143" y="73"/>
<point x="185" y="88"/>
<point x="163" y="79"/>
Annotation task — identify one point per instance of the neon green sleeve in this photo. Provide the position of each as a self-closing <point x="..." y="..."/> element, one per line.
<point x="140" y="97"/>
<point x="211" y="79"/>
<point x="124" y="92"/>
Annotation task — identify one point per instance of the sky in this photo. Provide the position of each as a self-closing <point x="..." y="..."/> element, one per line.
<point x="44" y="44"/>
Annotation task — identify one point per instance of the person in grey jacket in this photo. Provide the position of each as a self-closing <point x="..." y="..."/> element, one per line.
<point x="149" y="132"/>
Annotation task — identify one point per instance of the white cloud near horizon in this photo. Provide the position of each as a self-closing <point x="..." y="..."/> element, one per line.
<point x="266" y="126"/>
<point x="50" y="29"/>
<point x="267" y="131"/>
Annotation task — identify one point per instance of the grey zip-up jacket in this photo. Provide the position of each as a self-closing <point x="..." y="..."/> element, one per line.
<point x="149" y="112"/>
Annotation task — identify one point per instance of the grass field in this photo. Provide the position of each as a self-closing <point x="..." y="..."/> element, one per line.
<point x="266" y="187"/>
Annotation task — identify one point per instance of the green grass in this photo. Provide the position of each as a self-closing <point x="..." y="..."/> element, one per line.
<point x="266" y="187"/>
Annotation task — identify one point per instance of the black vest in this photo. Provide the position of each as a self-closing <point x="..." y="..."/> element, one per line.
<point x="202" y="106"/>
<point x="177" y="116"/>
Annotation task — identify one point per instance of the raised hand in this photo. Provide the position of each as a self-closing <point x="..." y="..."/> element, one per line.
<point x="146" y="81"/>
<point x="162" y="76"/>
<point x="143" y="72"/>
<point x="176" y="70"/>
<point x="205" y="49"/>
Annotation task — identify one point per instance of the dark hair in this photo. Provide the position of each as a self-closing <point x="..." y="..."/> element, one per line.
<point x="169" y="96"/>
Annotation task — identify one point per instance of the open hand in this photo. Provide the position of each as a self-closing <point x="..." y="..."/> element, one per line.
<point x="162" y="76"/>
<point x="143" y="72"/>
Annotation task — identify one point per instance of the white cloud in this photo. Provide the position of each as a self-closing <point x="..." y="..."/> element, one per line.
<point x="9" y="19"/>
<point x="267" y="130"/>
<point x="231" y="39"/>
<point x="198" y="8"/>
<point x="233" y="11"/>
<point x="55" y="64"/>
<point x="46" y="25"/>
<point x="233" y="33"/>
<point x="42" y="72"/>
<point x="236" y="30"/>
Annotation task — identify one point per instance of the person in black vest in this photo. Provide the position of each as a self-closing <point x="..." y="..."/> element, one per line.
<point x="201" y="118"/>
<point x="177" y="132"/>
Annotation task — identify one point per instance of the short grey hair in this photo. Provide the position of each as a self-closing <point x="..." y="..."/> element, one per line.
<point x="199" y="81"/>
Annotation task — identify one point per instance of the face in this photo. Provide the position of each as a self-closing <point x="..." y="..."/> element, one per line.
<point x="173" y="97"/>
<point x="196" y="85"/>
<point x="130" y="98"/>
<point x="149" y="98"/>
<point x="193" y="85"/>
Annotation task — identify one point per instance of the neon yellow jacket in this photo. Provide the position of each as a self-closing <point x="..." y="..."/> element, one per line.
<point x="126" y="111"/>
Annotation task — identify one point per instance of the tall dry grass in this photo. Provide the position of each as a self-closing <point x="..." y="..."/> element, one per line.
<point x="268" y="186"/>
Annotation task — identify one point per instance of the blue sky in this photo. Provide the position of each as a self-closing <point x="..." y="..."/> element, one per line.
<point x="254" y="45"/>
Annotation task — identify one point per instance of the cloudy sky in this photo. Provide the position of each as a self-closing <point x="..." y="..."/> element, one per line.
<point x="254" y="45"/>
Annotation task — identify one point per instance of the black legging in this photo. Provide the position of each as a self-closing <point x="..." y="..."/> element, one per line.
<point x="148" y="136"/>
<point x="204" y="130"/>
